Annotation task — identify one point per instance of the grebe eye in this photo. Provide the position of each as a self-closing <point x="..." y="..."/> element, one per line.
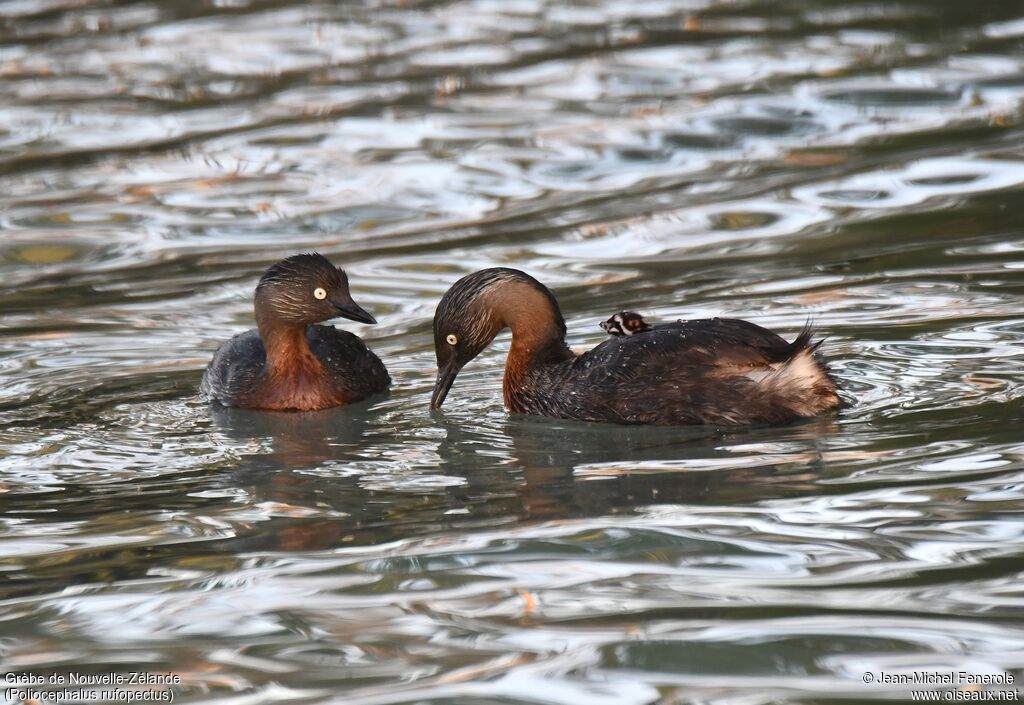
<point x="452" y="339"/>
<point x="320" y="293"/>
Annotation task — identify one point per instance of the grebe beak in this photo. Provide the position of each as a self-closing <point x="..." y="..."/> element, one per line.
<point x="445" y="379"/>
<point x="351" y="310"/>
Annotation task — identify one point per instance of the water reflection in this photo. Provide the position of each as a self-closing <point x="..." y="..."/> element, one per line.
<point x="295" y="440"/>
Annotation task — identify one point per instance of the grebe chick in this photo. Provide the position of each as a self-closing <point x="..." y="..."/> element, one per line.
<point x="625" y="323"/>
<point x="717" y="371"/>
<point x="287" y="362"/>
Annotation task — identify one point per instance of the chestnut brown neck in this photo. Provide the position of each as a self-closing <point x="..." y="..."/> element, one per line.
<point x="538" y="333"/>
<point x="288" y="350"/>
<point x="293" y="376"/>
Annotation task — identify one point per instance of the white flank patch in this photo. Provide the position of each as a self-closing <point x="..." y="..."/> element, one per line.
<point x="800" y="372"/>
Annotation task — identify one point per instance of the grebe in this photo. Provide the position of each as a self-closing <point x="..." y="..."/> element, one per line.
<point x="288" y="363"/>
<point x="625" y="323"/>
<point x="716" y="371"/>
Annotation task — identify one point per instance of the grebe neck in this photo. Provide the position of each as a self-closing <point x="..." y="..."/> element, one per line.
<point x="538" y="332"/>
<point x="288" y="351"/>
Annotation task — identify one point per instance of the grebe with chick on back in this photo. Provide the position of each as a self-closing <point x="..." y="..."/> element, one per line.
<point x="717" y="371"/>
<point x="288" y="362"/>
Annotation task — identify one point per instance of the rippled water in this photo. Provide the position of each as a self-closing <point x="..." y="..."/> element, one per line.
<point x="862" y="164"/>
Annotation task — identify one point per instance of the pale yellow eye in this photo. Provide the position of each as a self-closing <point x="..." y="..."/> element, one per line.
<point x="452" y="339"/>
<point x="320" y="293"/>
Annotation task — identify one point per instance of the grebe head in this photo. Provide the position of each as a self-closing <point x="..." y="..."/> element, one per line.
<point x="625" y="323"/>
<point x="305" y="289"/>
<point x="477" y="307"/>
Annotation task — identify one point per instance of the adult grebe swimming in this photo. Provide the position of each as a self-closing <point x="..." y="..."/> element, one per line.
<point x="716" y="371"/>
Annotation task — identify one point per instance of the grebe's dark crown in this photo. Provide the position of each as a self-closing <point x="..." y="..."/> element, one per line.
<point x="307" y="264"/>
<point x="460" y="298"/>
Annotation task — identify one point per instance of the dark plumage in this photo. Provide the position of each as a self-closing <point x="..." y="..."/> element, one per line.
<point x="717" y="371"/>
<point x="625" y="323"/>
<point x="288" y="362"/>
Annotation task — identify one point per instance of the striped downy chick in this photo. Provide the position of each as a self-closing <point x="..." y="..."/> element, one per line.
<point x="625" y="323"/>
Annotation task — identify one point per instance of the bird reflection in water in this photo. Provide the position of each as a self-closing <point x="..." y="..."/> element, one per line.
<point x="309" y="474"/>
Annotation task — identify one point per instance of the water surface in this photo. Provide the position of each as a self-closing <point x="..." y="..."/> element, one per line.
<point x="861" y="164"/>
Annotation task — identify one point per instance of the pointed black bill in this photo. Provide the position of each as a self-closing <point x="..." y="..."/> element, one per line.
<point x="354" y="311"/>
<point x="445" y="379"/>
